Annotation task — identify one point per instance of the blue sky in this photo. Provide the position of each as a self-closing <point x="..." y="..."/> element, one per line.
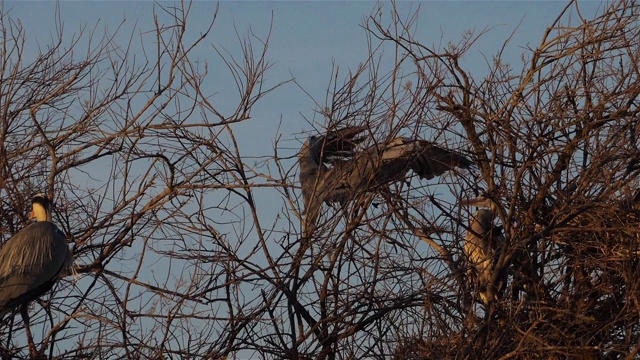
<point x="307" y="39"/>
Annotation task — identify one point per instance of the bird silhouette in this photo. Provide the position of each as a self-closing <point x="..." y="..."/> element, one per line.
<point x="335" y="167"/>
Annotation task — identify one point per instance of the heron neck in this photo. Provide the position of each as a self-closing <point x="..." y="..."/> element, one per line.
<point x="41" y="213"/>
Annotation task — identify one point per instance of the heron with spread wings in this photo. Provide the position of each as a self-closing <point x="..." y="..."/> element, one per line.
<point x="335" y="168"/>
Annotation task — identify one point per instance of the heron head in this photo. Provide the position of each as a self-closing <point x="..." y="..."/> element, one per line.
<point x="485" y="218"/>
<point x="41" y="208"/>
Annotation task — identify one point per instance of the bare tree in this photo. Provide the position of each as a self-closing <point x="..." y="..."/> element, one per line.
<point x="187" y="247"/>
<point x="556" y="151"/>
<point x="130" y="146"/>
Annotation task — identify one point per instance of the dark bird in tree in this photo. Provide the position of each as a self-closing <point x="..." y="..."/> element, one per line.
<point x="31" y="262"/>
<point x="481" y="246"/>
<point x="334" y="168"/>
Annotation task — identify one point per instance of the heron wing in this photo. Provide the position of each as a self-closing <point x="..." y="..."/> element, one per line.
<point x="430" y="160"/>
<point x="30" y="262"/>
<point x="423" y="157"/>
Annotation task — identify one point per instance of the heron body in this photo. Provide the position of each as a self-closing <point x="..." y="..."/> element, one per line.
<point x="32" y="260"/>
<point x="335" y="169"/>
<point x="481" y="243"/>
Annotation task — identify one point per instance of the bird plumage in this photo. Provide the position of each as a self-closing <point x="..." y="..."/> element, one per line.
<point x="335" y="168"/>
<point x="316" y="178"/>
<point x="32" y="260"/>
<point x="481" y="243"/>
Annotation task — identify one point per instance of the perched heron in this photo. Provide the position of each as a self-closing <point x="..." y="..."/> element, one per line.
<point x="334" y="168"/>
<point x="481" y="244"/>
<point x="31" y="262"/>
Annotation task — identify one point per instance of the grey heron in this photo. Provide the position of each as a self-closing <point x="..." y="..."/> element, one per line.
<point x="481" y="244"/>
<point x="31" y="262"/>
<point x="334" y="168"/>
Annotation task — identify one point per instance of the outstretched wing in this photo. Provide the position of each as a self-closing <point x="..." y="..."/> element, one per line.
<point x="431" y="160"/>
<point x="423" y="157"/>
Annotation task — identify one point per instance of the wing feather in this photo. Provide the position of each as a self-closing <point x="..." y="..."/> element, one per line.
<point x="432" y="160"/>
<point x="335" y="167"/>
<point x="30" y="262"/>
